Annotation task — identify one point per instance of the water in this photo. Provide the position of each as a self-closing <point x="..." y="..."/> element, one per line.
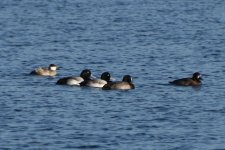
<point x="154" y="41"/>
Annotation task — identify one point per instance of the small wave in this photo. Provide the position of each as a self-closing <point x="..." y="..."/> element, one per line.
<point x="88" y="147"/>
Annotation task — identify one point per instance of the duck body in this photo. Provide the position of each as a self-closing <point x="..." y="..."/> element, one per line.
<point x="70" y="80"/>
<point x="194" y="81"/>
<point x="97" y="83"/>
<point x="119" y="85"/>
<point x="186" y="82"/>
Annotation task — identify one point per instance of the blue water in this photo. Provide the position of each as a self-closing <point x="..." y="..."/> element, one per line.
<point x="154" y="41"/>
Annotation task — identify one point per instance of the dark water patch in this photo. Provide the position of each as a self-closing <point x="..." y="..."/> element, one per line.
<point x="219" y="111"/>
<point x="88" y="147"/>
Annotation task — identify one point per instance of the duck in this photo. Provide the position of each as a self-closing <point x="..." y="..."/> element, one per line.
<point x="97" y="83"/>
<point x="125" y="84"/>
<point x="74" y="80"/>
<point x="195" y="80"/>
<point x="44" y="71"/>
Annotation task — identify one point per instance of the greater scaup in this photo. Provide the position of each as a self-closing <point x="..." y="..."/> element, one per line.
<point x="125" y="84"/>
<point x="195" y="80"/>
<point x="74" y="80"/>
<point x="98" y="83"/>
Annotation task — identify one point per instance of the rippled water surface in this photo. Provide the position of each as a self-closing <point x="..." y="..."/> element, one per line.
<point x="154" y="41"/>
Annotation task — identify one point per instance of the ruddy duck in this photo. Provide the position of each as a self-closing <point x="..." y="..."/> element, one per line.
<point x="50" y="71"/>
<point x="98" y="83"/>
<point x="194" y="81"/>
<point x="125" y="84"/>
<point x="72" y="80"/>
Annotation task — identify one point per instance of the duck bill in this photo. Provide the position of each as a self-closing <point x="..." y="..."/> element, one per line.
<point x="92" y="77"/>
<point x="200" y="78"/>
<point x="59" y="68"/>
<point x="112" y="79"/>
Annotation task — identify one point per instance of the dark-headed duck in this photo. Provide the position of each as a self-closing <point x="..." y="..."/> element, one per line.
<point x="125" y="84"/>
<point x="195" y="80"/>
<point x="98" y="83"/>
<point x="74" y="80"/>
